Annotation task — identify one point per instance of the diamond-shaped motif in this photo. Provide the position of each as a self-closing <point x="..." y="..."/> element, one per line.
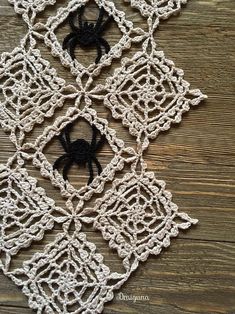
<point x="68" y="277"/>
<point x="149" y="94"/>
<point x="25" y="211"/>
<point x="138" y="217"/>
<point x="30" y="88"/>
<point x="29" y="8"/>
<point x="126" y="28"/>
<point x="162" y="9"/>
<point x="122" y="154"/>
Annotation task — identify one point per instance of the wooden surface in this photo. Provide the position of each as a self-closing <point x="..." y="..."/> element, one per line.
<point x="196" y="159"/>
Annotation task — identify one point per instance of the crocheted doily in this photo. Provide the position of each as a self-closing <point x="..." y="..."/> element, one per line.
<point x="131" y="209"/>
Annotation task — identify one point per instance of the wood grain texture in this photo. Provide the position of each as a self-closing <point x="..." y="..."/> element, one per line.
<point x="192" y="276"/>
<point x="196" y="159"/>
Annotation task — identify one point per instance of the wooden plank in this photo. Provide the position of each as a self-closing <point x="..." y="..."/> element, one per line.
<point x="196" y="159"/>
<point x="189" y="277"/>
<point x="15" y="310"/>
<point x="201" y="191"/>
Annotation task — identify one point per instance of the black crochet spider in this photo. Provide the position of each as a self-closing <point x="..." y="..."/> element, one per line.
<point x="87" y="35"/>
<point x="79" y="152"/>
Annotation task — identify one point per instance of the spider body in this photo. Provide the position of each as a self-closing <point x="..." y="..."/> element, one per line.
<point x="80" y="152"/>
<point x="86" y="34"/>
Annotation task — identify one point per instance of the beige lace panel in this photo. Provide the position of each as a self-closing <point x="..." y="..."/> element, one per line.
<point x="125" y="202"/>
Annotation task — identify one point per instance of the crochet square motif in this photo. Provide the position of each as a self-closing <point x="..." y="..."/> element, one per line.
<point x="131" y="210"/>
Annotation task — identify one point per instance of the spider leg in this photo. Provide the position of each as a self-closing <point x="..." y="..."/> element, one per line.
<point x="100" y="142"/>
<point x="73" y="44"/>
<point x="71" y="21"/>
<point x="67" y="166"/>
<point x="99" y="52"/>
<point x="91" y="178"/>
<point x="62" y="142"/>
<point x="67" y="131"/>
<point x="66" y="40"/>
<point x="58" y="161"/>
<point x="100" y="19"/>
<point x="95" y="146"/>
<point x="103" y="26"/>
<point x="105" y="44"/>
<point x="64" y="137"/>
<point x="98" y="165"/>
<point x="80" y="13"/>
<point x="94" y="136"/>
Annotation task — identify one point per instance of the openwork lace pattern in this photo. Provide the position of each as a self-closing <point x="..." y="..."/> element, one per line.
<point x="132" y="210"/>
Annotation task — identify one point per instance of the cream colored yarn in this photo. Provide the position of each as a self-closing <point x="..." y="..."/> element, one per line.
<point x="136" y="215"/>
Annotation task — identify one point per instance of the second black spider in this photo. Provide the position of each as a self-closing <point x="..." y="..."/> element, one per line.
<point x="87" y="34"/>
<point x="79" y="152"/>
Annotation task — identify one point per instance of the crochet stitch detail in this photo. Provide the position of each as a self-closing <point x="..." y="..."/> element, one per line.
<point x="131" y="210"/>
